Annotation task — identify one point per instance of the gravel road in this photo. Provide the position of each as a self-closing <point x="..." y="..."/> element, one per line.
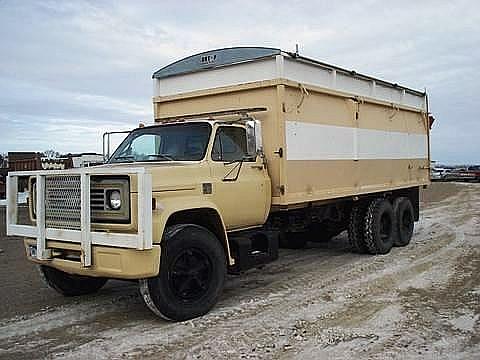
<point x="422" y="301"/>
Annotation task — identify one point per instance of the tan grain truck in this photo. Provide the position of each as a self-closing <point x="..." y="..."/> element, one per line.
<point x="251" y="146"/>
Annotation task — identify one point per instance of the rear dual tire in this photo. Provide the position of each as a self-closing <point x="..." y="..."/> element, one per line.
<point x="404" y="221"/>
<point x="379" y="232"/>
<point x="356" y="229"/>
<point x="377" y="226"/>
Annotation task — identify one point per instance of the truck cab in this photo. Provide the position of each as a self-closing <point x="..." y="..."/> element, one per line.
<point x="207" y="176"/>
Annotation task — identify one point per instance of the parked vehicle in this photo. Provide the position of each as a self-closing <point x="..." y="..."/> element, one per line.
<point x="447" y="174"/>
<point x="474" y="171"/>
<point x="250" y="147"/>
<point x="459" y="174"/>
<point x="438" y="174"/>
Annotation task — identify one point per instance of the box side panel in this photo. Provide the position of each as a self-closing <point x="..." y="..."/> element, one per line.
<point x="336" y="147"/>
<point x="215" y="101"/>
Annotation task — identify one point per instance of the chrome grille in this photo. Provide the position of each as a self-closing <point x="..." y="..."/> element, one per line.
<point x="62" y="201"/>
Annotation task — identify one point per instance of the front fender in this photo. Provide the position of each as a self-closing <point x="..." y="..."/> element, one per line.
<point x="166" y="207"/>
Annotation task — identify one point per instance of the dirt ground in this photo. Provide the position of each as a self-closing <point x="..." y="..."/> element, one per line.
<point x="422" y="301"/>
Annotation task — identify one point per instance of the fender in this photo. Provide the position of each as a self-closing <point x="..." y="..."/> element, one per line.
<point x="166" y="207"/>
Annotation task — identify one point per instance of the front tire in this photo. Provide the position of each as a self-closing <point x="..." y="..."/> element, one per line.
<point x="379" y="227"/>
<point x="192" y="274"/>
<point x="70" y="285"/>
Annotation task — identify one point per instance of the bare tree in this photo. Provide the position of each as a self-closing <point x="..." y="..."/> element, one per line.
<point x="3" y="160"/>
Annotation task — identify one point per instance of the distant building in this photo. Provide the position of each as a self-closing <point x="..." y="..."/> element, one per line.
<point x="56" y="163"/>
<point x="29" y="161"/>
<point x="86" y="159"/>
<point x="24" y="161"/>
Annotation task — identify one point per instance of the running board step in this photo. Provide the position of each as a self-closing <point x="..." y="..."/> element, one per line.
<point x="253" y="249"/>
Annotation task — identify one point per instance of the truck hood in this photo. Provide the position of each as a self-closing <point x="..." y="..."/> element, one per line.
<point x="148" y="164"/>
<point x="168" y="175"/>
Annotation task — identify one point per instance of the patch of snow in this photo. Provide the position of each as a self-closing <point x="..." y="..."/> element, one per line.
<point x="465" y="322"/>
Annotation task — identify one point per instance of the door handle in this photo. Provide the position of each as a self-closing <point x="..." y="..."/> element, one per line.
<point x="259" y="167"/>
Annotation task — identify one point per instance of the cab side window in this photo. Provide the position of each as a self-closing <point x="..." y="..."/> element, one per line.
<point x="230" y="144"/>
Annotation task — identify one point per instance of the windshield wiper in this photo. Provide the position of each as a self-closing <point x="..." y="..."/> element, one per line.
<point x="162" y="156"/>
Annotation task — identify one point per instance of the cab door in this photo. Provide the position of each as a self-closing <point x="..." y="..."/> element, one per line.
<point x="241" y="185"/>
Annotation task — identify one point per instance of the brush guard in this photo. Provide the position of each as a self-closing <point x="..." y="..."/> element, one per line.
<point x="85" y="236"/>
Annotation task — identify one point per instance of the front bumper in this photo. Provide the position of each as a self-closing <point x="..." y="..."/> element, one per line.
<point x="109" y="262"/>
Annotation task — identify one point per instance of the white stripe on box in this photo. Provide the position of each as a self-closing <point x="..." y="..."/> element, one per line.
<point x="307" y="141"/>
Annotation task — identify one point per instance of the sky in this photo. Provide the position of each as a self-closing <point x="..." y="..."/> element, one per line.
<point x="70" y="71"/>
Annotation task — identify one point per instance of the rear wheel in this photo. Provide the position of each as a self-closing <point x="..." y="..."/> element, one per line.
<point x="192" y="274"/>
<point x="379" y="227"/>
<point x="404" y="221"/>
<point x="70" y="285"/>
<point x="356" y="228"/>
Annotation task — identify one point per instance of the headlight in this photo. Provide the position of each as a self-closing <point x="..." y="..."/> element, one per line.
<point x="114" y="199"/>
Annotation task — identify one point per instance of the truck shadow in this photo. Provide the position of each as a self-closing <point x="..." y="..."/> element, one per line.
<point x="292" y="266"/>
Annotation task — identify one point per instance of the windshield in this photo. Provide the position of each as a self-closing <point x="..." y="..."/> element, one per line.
<point x="182" y="142"/>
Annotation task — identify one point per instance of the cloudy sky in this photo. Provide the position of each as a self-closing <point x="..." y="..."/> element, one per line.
<point x="70" y="71"/>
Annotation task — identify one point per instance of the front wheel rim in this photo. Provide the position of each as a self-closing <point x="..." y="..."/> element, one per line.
<point x="190" y="275"/>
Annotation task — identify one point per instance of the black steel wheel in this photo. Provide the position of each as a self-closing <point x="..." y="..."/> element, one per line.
<point x="379" y="227"/>
<point x="404" y="221"/>
<point x="70" y="285"/>
<point x="192" y="274"/>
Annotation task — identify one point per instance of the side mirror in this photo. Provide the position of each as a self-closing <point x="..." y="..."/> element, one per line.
<point x="106" y="143"/>
<point x="254" y="138"/>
